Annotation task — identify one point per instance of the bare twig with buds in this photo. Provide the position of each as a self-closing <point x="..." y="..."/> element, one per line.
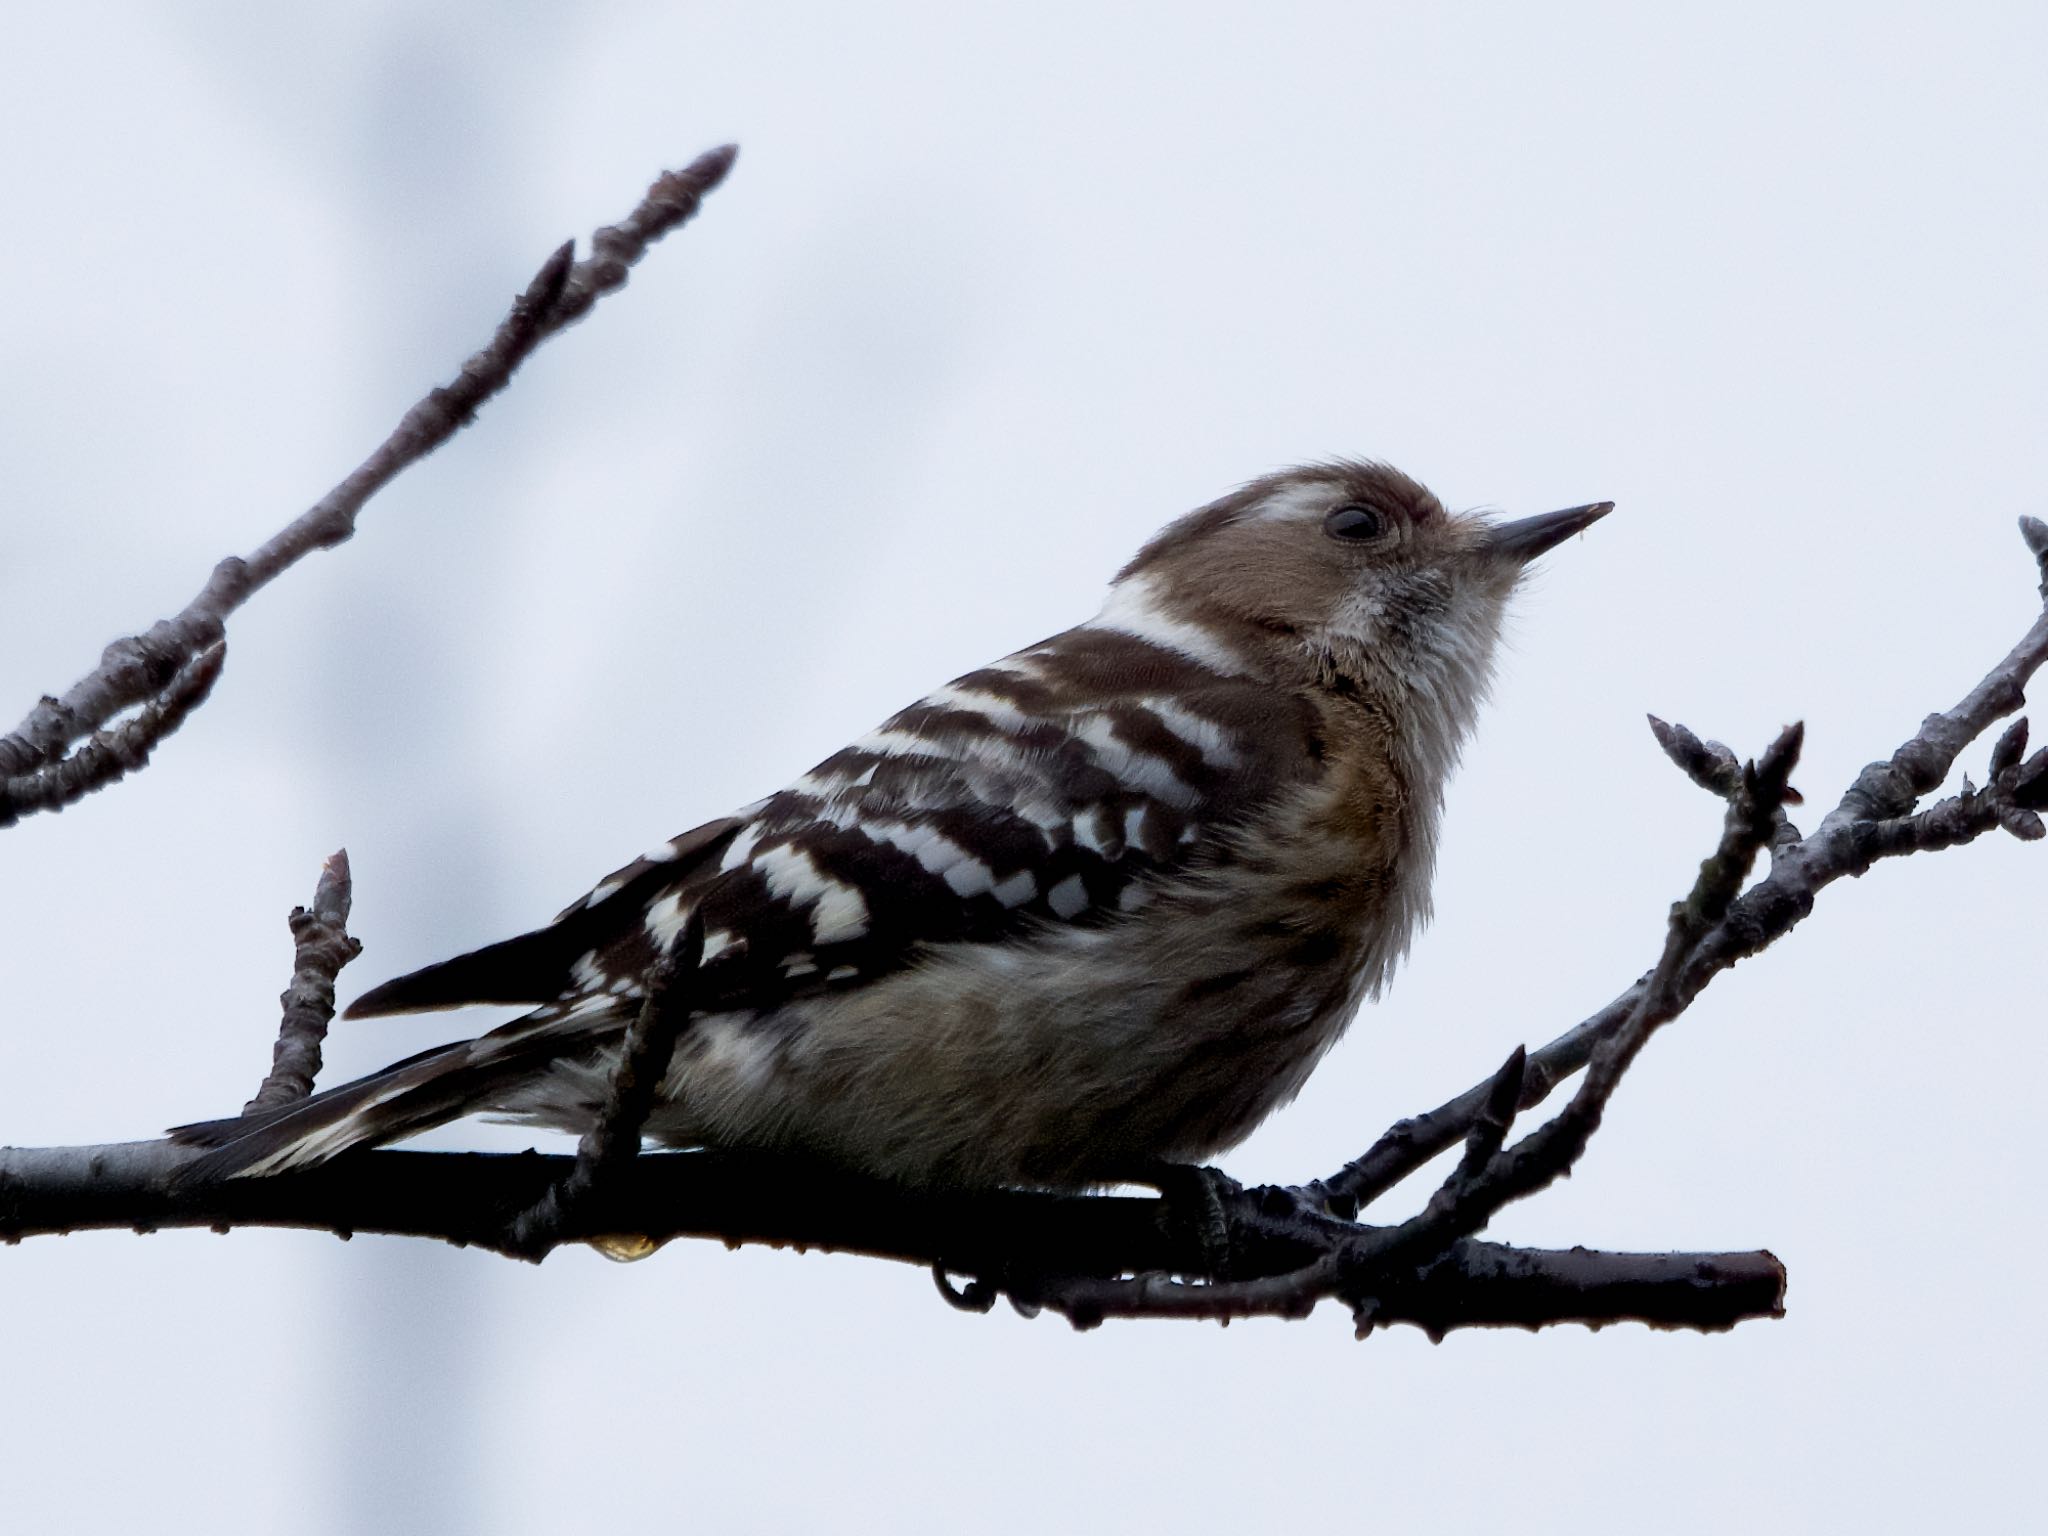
<point x="321" y="946"/>
<point x="614" y="1136"/>
<point x="169" y="669"/>
<point x="1873" y="820"/>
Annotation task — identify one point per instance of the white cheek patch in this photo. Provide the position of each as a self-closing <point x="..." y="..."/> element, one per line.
<point x="1359" y="619"/>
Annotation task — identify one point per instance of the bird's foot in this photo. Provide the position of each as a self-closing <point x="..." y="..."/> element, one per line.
<point x="1196" y="1201"/>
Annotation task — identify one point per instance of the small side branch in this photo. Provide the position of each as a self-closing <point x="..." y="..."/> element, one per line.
<point x="1550" y="1152"/>
<point x="109" y="755"/>
<point x="614" y="1136"/>
<point x="321" y="947"/>
<point x="1874" y="819"/>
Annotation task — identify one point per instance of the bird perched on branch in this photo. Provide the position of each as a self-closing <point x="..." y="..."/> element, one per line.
<point x="1094" y="908"/>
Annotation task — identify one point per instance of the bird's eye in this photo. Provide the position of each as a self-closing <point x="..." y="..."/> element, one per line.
<point x="1355" y="523"/>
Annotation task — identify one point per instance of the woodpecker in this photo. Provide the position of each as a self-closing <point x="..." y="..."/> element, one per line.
<point x="1097" y="907"/>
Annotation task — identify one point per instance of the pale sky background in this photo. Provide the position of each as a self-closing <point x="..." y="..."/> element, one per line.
<point x="992" y="294"/>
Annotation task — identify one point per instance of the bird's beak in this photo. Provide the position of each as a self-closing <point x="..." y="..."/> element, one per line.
<point x="1523" y="540"/>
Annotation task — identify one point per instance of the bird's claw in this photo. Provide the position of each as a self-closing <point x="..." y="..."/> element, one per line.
<point x="1197" y="1201"/>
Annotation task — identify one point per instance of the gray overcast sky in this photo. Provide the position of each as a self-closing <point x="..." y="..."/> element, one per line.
<point x="993" y="293"/>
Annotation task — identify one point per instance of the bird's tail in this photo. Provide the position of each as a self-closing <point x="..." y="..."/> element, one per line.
<point x="539" y="1066"/>
<point x="414" y="1095"/>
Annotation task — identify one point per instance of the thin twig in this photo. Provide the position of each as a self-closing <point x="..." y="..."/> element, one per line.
<point x="1551" y="1150"/>
<point x="613" y="1138"/>
<point x="111" y="754"/>
<point x="161" y="667"/>
<point x="1487" y="1179"/>
<point x="2035" y="532"/>
<point x="1762" y="915"/>
<point x="321" y="947"/>
<point x="1708" y="764"/>
<point x="1890" y="788"/>
<point x="1482" y="1144"/>
<point x="1717" y="770"/>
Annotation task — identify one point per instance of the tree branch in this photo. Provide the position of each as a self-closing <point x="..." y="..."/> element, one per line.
<point x="470" y="1199"/>
<point x="171" y="667"/>
<point x="1844" y="844"/>
<point x="111" y="754"/>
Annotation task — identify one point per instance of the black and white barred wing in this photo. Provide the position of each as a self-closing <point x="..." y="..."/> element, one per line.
<point x="1057" y="786"/>
<point x="563" y="958"/>
<point x="1060" y="786"/>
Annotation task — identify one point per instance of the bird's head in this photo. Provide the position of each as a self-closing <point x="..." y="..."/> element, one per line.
<point x="1354" y="577"/>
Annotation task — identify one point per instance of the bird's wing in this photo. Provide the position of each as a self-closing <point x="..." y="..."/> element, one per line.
<point x="541" y="966"/>
<point x="1056" y="786"/>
